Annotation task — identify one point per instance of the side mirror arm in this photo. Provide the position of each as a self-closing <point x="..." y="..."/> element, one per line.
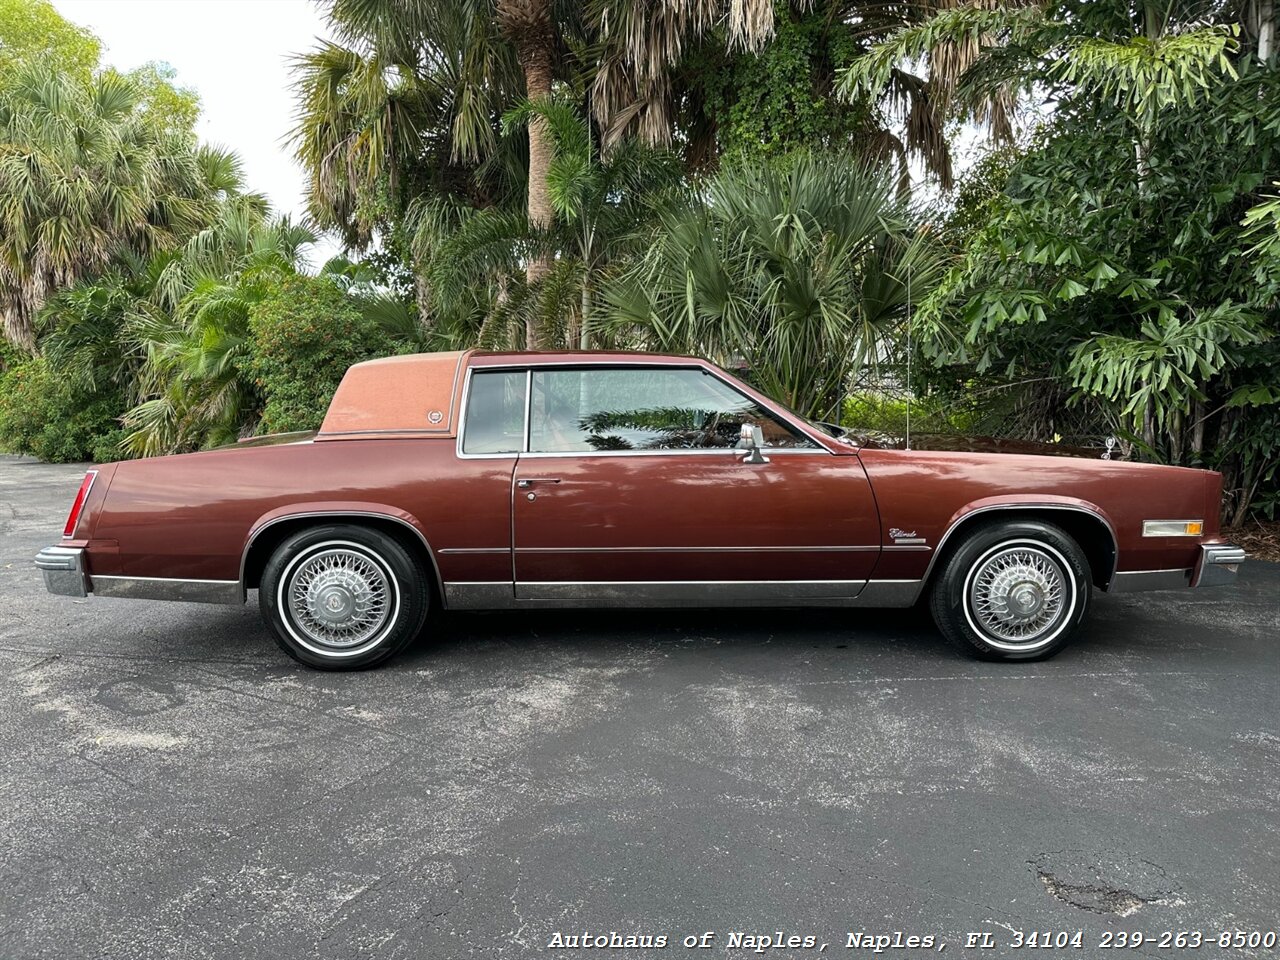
<point x="751" y="440"/>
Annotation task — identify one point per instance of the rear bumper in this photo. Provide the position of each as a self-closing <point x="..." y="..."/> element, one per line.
<point x="1217" y="564"/>
<point x="64" y="571"/>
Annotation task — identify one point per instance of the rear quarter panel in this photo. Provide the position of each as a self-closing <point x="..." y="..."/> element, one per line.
<point x="191" y="516"/>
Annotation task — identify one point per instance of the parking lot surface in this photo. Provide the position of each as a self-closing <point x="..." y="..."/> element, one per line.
<point x="174" y="786"/>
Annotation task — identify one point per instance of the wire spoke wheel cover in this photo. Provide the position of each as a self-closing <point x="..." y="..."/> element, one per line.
<point x="339" y="598"/>
<point x="1019" y="595"/>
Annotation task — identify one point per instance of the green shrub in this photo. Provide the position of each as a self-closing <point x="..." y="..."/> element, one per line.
<point x="303" y="338"/>
<point x="44" y="415"/>
<point x="881" y="413"/>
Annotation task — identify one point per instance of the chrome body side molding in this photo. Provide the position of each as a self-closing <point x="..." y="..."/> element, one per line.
<point x="1135" y="581"/>
<point x="480" y="595"/>
<point x="501" y="595"/>
<point x="577" y="550"/>
<point x="621" y="592"/>
<point x="66" y="573"/>
<point x="164" y="588"/>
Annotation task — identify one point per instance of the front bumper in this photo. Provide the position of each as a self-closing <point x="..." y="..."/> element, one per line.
<point x="1219" y="564"/>
<point x="64" y="571"/>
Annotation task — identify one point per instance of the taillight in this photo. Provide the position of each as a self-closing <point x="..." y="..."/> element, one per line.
<point x="81" y="496"/>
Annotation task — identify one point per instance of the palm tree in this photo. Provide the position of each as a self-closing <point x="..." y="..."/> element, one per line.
<point x="800" y="270"/>
<point x="192" y="329"/>
<point x="474" y="259"/>
<point x="422" y="82"/>
<point x="642" y="43"/>
<point x="85" y="177"/>
<point x="404" y="109"/>
<point x="527" y="25"/>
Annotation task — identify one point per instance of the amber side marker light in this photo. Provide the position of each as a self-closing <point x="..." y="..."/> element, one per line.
<point x="82" y="495"/>
<point x="1172" y="528"/>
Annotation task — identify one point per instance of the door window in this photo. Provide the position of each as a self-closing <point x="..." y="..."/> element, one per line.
<point x="602" y="409"/>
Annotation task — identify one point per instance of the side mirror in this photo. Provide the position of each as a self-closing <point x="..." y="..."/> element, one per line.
<point x="751" y="440"/>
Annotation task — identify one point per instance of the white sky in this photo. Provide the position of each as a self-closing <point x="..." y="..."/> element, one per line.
<point x="234" y="54"/>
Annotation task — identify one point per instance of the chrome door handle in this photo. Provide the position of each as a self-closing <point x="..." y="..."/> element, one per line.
<point x="529" y="482"/>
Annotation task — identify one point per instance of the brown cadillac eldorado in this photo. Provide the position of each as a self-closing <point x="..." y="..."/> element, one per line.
<point x="480" y="481"/>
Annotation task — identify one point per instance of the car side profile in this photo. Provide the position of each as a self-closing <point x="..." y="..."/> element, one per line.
<point x="483" y="481"/>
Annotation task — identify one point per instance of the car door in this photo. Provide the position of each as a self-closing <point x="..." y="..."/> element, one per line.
<point x="630" y="491"/>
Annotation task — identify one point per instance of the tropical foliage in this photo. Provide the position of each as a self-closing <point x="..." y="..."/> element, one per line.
<point x="733" y="179"/>
<point x="1111" y="281"/>
<point x="302" y="339"/>
<point x="801" y="273"/>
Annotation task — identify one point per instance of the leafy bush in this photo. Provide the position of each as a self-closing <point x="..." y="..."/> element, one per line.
<point x="43" y="414"/>
<point x="882" y="413"/>
<point x="303" y="338"/>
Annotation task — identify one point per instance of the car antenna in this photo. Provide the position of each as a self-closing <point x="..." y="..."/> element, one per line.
<point x="908" y="441"/>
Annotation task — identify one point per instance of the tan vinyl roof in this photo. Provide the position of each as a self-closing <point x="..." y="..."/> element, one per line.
<point x="415" y="394"/>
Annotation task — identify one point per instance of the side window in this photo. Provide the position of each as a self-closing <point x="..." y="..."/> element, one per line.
<point x="639" y="408"/>
<point x="495" y="413"/>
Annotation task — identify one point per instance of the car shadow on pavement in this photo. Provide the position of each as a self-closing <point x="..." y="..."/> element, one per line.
<point x="781" y="628"/>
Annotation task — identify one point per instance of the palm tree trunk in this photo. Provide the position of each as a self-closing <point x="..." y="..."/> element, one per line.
<point x="422" y="297"/>
<point x="535" y="44"/>
<point x="1266" y="30"/>
<point x="18" y="328"/>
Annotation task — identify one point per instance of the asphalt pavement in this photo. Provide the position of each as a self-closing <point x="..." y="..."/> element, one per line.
<point x="171" y="785"/>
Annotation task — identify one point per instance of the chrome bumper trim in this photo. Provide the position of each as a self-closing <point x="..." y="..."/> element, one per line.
<point x="163" y="588"/>
<point x="1219" y="564"/>
<point x="63" y="570"/>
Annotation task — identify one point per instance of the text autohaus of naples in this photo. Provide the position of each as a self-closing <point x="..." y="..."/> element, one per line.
<point x="755" y="942"/>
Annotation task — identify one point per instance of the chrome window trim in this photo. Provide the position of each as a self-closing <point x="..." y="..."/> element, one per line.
<point x="528" y="365"/>
<point x="256" y="532"/>
<point x="726" y="452"/>
<point x="1073" y="508"/>
<point x="528" y="411"/>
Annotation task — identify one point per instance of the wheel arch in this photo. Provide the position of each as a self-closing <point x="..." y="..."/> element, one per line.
<point x="1085" y="523"/>
<point x="273" y="529"/>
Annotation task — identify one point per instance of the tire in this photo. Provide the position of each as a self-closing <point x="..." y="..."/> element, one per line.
<point x="343" y="597"/>
<point x="995" y="595"/>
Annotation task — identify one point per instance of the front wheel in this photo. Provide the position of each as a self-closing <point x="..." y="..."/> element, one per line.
<point x="342" y="597"/>
<point x="1013" y="591"/>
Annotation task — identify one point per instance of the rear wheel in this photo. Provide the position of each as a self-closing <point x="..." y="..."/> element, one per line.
<point x="343" y="597"/>
<point x="1013" y="591"/>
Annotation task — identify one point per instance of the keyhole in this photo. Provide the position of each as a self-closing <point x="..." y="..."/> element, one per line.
<point x="531" y="496"/>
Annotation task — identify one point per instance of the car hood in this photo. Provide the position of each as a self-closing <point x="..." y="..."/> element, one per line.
<point x="965" y="444"/>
